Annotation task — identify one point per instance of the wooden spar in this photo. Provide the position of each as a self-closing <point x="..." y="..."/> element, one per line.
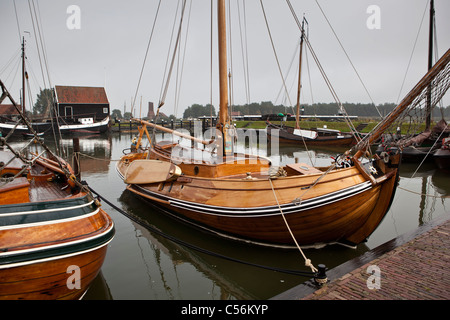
<point x="430" y="64"/>
<point x="420" y="86"/>
<point x="224" y="119"/>
<point x="223" y="111"/>
<point x="23" y="75"/>
<point x="180" y="134"/>
<point x="297" y="116"/>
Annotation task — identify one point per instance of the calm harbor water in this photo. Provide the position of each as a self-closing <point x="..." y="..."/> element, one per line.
<point x="143" y="265"/>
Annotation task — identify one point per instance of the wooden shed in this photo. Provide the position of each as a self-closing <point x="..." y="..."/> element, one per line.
<point x="82" y="104"/>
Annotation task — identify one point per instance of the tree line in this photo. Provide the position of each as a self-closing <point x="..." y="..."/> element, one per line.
<point x="367" y="110"/>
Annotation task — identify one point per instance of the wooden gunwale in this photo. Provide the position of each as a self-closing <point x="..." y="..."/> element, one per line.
<point x="310" y="179"/>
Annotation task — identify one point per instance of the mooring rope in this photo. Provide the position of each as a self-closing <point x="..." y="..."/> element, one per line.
<point x="421" y="194"/>
<point x="307" y="261"/>
<point x="196" y="248"/>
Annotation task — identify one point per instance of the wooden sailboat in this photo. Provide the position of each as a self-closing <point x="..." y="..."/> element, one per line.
<point x="49" y="125"/>
<point x="21" y="128"/>
<point x="308" y="137"/>
<point x="421" y="147"/>
<point x="317" y="137"/>
<point x="238" y="195"/>
<point x="53" y="233"/>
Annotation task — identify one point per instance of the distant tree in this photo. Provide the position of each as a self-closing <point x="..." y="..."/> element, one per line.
<point x="44" y="102"/>
<point x="197" y="110"/>
<point x="127" y="115"/>
<point x="116" y="113"/>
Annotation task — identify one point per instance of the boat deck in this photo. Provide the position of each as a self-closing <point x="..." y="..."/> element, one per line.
<point x="45" y="191"/>
<point x="40" y="188"/>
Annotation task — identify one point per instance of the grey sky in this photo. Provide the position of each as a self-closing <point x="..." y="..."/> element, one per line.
<point x="108" y="49"/>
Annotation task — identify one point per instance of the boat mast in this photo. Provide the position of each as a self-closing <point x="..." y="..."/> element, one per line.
<point x="224" y="120"/>
<point x="430" y="64"/>
<point x="297" y="118"/>
<point x="23" y="75"/>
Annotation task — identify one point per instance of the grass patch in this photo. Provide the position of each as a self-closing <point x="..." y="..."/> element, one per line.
<point x="342" y="126"/>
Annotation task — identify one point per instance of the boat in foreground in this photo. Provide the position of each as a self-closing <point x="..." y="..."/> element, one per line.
<point x="318" y="205"/>
<point x="53" y="232"/>
<point x="241" y="196"/>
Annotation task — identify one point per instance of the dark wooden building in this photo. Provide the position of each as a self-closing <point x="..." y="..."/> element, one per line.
<point x="80" y="104"/>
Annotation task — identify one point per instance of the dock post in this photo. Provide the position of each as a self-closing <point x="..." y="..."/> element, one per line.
<point x="76" y="158"/>
<point x="321" y="276"/>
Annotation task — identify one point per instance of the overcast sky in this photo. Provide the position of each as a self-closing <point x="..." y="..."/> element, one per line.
<point x="106" y="46"/>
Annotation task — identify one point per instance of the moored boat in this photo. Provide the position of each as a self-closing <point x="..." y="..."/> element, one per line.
<point x="53" y="232"/>
<point x="442" y="156"/>
<point x="318" y="137"/>
<point x="240" y="196"/>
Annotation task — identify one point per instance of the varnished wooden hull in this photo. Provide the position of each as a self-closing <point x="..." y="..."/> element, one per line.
<point x="53" y="236"/>
<point x="48" y="280"/>
<point x="342" y="207"/>
<point x="41" y="242"/>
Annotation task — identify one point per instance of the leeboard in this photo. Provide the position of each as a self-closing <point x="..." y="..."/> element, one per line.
<point x="150" y="171"/>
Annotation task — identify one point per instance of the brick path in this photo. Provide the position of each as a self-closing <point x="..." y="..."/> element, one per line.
<point x="416" y="270"/>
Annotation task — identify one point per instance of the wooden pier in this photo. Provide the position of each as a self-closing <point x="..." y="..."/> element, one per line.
<point x="414" y="266"/>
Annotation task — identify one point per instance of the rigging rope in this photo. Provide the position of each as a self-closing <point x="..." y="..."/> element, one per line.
<point x="325" y="77"/>
<point x="412" y="52"/>
<point x="177" y="42"/>
<point x="180" y="73"/>
<point x="244" y="51"/>
<point x="348" y="57"/>
<point x="146" y="54"/>
<point x="274" y="51"/>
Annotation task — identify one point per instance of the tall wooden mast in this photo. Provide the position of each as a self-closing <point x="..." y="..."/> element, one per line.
<point x="23" y="75"/>
<point x="224" y="120"/>
<point x="297" y="116"/>
<point x="430" y="64"/>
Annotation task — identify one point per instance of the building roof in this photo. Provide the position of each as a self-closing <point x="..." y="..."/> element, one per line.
<point x="9" y="109"/>
<point x="81" y="95"/>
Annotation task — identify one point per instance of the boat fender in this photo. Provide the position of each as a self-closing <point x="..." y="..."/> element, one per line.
<point x="385" y="156"/>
